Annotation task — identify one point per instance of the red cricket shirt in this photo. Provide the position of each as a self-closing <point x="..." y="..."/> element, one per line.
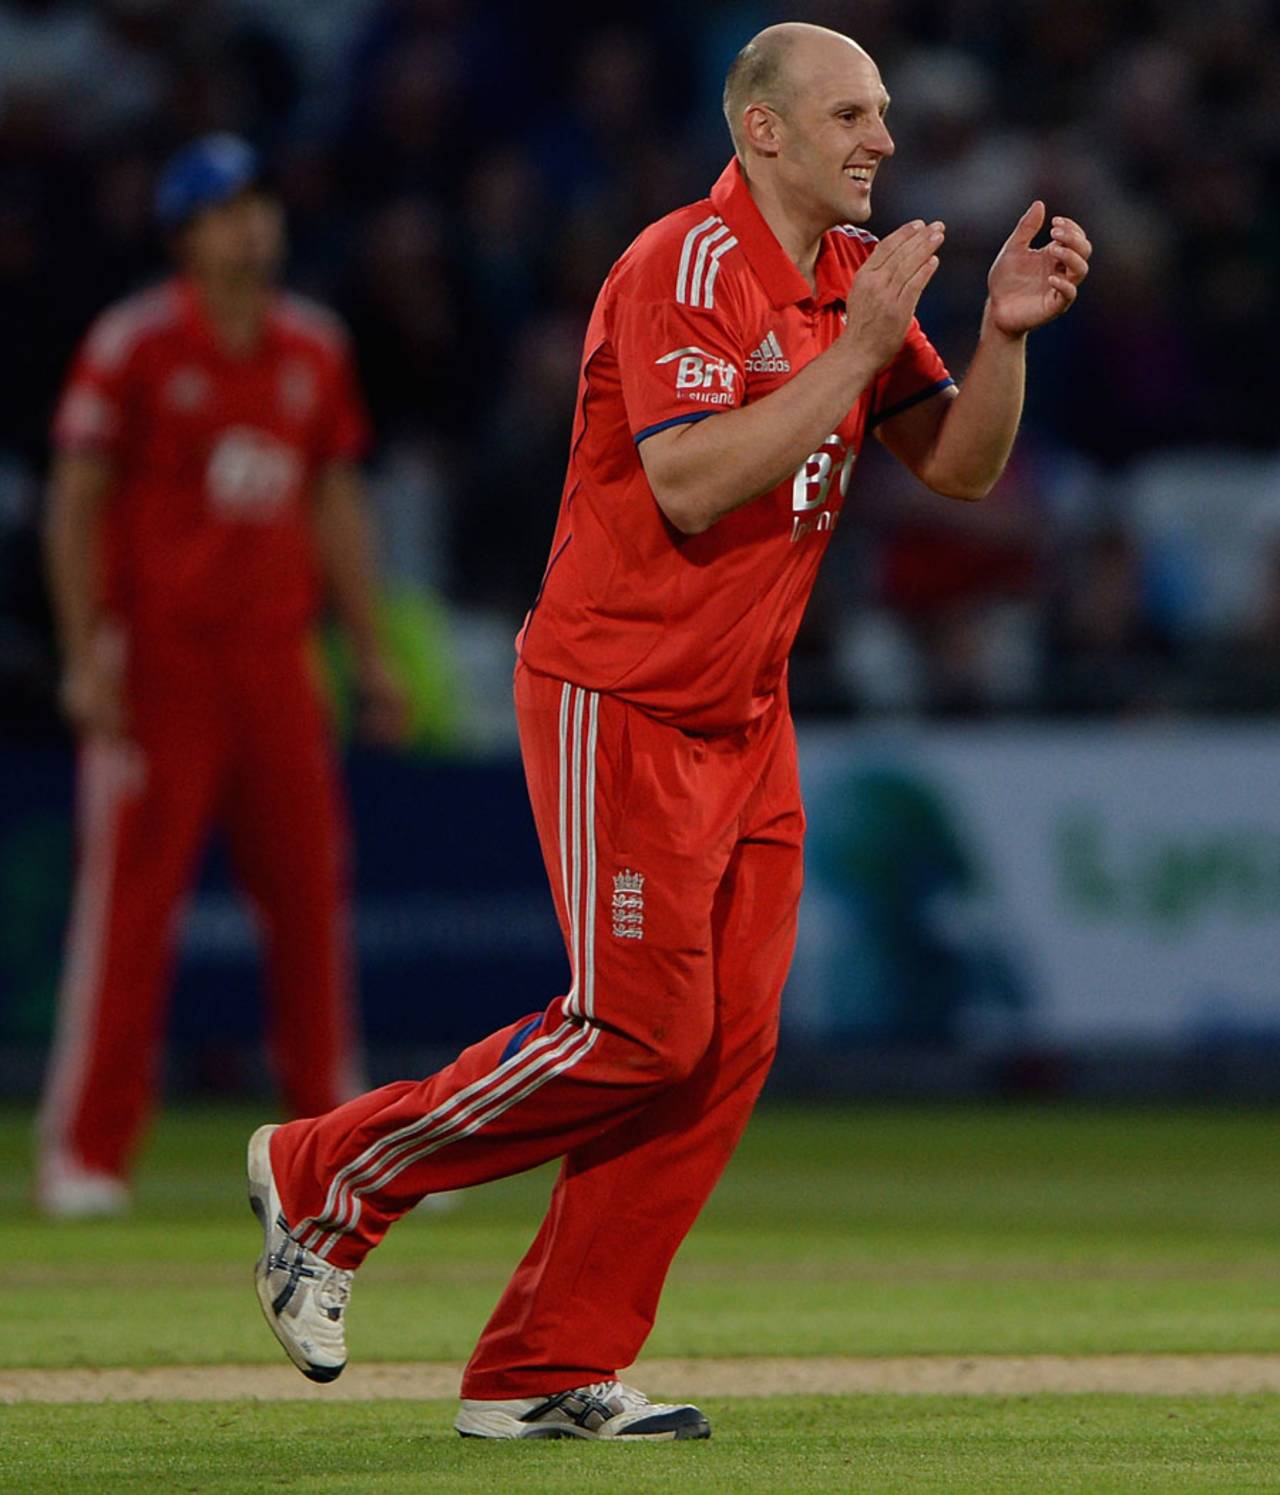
<point x="207" y="527"/>
<point x="704" y="312"/>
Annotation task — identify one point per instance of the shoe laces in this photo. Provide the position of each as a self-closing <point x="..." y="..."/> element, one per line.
<point x="617" y="1393"/>
<point x="334" y="1290"/>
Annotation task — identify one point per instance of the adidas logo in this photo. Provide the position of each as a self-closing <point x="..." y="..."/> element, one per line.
<point x="769" y="357"/>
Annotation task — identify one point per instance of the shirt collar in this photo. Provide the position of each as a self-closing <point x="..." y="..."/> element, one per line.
<point x="199" y="322"/>
<point x="783" y="283"/>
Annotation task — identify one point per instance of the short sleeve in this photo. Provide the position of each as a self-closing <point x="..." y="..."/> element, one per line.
<point x="677" y="363"/>
<point x="916" y="373"/>
<point x="344" y="434"/>
<point x="91" y="413"/>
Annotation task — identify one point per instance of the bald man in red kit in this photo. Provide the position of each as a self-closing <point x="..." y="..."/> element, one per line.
<point x="739" y="354"/>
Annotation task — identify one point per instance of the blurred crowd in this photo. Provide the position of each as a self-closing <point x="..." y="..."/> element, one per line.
<point x="459" y="178"/>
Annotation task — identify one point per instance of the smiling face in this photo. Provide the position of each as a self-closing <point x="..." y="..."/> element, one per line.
<point x="819" y="128"/>
<point x="832" y="135"/>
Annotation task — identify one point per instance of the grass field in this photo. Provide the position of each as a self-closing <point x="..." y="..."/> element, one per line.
<point x="1037" y="1445"/>
<point x="836" y="1232"/>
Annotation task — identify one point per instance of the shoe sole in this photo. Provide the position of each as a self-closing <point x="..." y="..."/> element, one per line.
<point x="699" y="1428"/>
<point x="265" y="1204"/>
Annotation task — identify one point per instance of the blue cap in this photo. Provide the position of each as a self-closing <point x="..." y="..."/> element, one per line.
<point x="210" y="170"/>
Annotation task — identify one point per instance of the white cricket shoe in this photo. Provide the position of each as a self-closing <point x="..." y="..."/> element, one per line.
<point x="65" y="1191"/>
<point x="303" y="1298"/>
<point x="605" y="1409"/>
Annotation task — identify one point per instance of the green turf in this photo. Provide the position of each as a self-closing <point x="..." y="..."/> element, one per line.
<point x="858" y="1231"/>
<point x="1091" y="1445"/>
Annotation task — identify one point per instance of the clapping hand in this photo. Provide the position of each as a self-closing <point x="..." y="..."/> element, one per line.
<point x="1028" y="287"/>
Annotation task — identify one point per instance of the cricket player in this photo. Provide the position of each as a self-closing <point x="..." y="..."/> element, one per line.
<point x="740" y="353"/>
<point x="204" y="496"/>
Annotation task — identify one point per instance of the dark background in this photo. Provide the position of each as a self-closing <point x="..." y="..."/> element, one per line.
<point x="458" y="179"/>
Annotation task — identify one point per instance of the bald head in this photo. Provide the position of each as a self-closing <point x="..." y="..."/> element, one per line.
<point x="773" y="65"/>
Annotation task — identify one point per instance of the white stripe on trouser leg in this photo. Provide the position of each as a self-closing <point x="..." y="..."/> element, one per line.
<point x="566" y="697"/>
<point x="489" y="1097"/>
<point x="575" y="858"/>
<point x="335" y="1210"/>
<point x="104" y="780"/>
<point x="340" y="1210"/>
<point x="333" y="1214"/>
<point x="588" y="983"/>
<point x="567" y="1053"/>
<point x="442" y="1121"/>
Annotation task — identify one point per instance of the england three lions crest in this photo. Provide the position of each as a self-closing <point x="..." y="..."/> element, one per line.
<point x="628" y="905"/>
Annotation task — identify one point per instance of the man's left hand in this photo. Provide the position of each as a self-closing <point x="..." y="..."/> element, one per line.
<point x="1028" y="287"/>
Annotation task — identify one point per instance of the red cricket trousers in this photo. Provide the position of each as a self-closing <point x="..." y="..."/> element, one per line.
<point x="235" y="736"/>
<point x="676" y="867"/>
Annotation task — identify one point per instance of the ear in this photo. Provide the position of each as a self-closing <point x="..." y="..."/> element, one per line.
<point x="762" y="129"/>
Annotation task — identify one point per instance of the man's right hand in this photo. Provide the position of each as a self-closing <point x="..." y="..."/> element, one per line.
<point x="701" y="471"/>
<point x="886" y="288"/>
<point x="92" y="690"/>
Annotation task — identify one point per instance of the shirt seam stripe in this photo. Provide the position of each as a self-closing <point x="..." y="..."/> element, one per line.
<point x="676" y="420"/>
<point x="915" y="399"/>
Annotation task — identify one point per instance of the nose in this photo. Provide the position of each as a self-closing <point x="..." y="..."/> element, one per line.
<point x="881" y="142"/>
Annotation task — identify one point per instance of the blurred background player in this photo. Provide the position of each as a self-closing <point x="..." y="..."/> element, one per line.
<point x="203" y="500"/>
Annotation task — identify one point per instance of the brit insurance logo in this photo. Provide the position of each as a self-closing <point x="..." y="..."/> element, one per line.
<point x="251" y="475"/>
<point x="811" y="487"/>
<point x="702" y="376"/>
<point x="628" y="905"/>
